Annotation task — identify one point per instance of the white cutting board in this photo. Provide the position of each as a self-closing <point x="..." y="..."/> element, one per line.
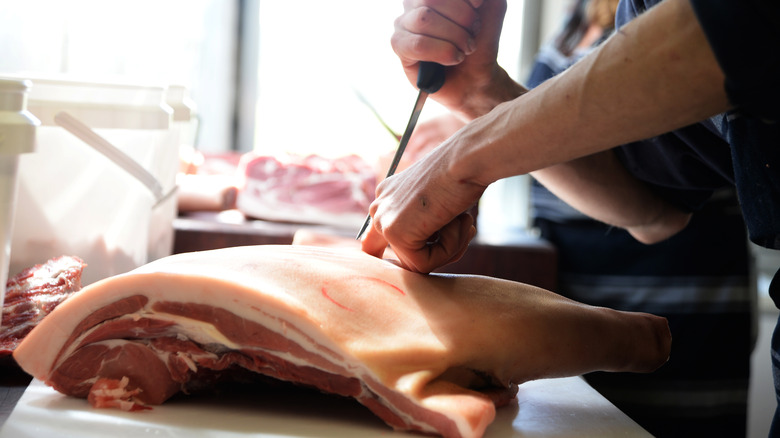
<point x="566" y="407"/>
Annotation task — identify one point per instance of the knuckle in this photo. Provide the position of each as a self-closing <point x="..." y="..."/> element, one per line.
<point x="417" y="45"/>
<point x="398" y="24"/>
<point x="423" y="18"/>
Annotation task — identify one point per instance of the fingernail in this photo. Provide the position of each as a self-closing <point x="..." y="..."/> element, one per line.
<point x="459" y="56"/>
<point x="472" y="45"/>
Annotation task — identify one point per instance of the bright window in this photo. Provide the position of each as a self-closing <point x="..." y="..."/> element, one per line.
<point x="315" y="57"/>
<point x="274" y="76"/>
<point x="151" y="42"/>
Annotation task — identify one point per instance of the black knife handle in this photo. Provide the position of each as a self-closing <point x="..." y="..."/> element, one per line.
<point x="430" y="76"/>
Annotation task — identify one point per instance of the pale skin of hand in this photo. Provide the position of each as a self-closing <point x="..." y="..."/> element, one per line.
<point x="654" y="75"/>
<point x="616" y="193"/>
<point x="462" y="34"/>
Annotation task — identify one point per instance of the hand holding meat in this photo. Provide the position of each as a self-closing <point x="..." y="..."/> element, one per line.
<point x="429" y="353"/>
<point x="420" y="214"/>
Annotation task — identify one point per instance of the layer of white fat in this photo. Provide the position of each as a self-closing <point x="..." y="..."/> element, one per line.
<point x="403" y="415"/>
<point x="191" y="361"/>
<point x="206" y="334"/>
<point x="181" y="279"/>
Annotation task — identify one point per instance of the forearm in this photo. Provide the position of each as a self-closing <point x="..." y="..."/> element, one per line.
<point x="654" y="75"/>
<point x="599" y="186"/>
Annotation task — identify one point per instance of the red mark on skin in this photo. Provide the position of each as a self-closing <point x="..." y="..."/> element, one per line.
<point x="325" y="294"/>
<point x="358" y="283"/>
<point x="390" y="285"/>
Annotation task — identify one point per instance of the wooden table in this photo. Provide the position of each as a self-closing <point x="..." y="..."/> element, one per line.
<point x="512" y="256"/>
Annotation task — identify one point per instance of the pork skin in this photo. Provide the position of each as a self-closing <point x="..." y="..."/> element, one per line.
<point x="428" y="353"/>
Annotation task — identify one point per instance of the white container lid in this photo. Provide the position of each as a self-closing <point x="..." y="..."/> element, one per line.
<point x="99" y="105"/>
<point x="13" y="94"/>
<point x="17" y="126"/>
<point x="179" y="100"/>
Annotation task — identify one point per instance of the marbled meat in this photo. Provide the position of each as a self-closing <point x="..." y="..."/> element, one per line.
<point x="33" y="293"/>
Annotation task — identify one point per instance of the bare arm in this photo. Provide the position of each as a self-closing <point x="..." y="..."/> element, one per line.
<point x="599" y="186"/>
<point x="654" y="75"/>
<point x="462" y="35"/>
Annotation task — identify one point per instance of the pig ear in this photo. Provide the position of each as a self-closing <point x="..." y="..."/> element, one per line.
<point x="471" y="411"/>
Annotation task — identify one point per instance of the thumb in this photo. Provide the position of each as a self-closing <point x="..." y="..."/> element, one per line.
<point x="373" y="243"/>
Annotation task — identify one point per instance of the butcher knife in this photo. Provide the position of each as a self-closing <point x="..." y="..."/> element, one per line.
<point x="430" y="77"/>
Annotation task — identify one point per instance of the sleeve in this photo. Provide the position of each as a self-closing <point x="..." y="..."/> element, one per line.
<point x="684" y="166"/>
<point x="744" y="35"/>
<point x="627" y="10"/>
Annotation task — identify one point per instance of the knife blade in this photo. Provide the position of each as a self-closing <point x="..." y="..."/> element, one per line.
<point x="430" y="78"/>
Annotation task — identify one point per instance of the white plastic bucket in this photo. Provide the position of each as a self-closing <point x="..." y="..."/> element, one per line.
<point x="17" y="136"/>
<point x="75" y="200"/>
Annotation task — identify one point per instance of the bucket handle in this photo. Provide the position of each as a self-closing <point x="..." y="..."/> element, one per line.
<point x="113" y="153"/>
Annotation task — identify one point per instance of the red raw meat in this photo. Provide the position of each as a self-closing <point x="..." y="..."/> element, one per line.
<point x="429" y="353"/>
<point x="309" y="189"/>
<point x="34" y="293"/>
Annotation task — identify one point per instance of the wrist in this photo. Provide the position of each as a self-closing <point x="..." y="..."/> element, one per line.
<point x="481" y="99"/>
<point x="477" y="145"/>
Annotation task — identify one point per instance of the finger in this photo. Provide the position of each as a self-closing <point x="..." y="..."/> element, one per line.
<point x="449" y="246"/>
<point x="373" y="243"/>
<point x="412" y="48"/>
<point x="468" y="230"/>
<point x="423" y="34"/>
<point x="462" y="13"/>
<point x="431" y="23"/>
<point x="455" y="237"/>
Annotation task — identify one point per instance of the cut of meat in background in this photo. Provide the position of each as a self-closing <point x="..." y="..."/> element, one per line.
<point x="33" y="293"/>
<point x="311" y="189"/>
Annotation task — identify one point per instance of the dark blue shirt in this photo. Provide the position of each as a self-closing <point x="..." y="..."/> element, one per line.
<point x="741" y="147"/>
